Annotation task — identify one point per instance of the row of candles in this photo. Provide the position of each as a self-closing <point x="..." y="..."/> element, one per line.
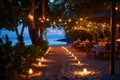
<point x="84" y="72"/>
<point x="30" y="71"/>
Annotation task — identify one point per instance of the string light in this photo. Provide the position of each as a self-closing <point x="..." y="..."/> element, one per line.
<point x="81" y="19"/>
<point x="60" y="20"/>
<point x="30" y="17"/>
<point x="116" y="8"/>
<point x="54" y="23"/>
<point x="69" y="20"/>
<point x="76" y="22"/>
<point x="65" y="23"/>
<point x="47" y="19"/>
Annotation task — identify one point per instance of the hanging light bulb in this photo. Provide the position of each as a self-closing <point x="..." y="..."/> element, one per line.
<point x="30" y="17"/>
<point x="76" y="22"/>
<point x="54" y="23"/>
<point x="60" y="20"/>
<point x="69" y="20"/>
<point x="47" y="19"/>
<point x="65" y="23"/>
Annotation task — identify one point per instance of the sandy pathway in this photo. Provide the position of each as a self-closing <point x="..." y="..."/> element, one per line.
<point x="62" y="66"/>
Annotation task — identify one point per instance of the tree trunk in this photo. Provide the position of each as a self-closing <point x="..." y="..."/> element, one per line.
<point x="31" y="26"/>
<point x="41" y="32"/>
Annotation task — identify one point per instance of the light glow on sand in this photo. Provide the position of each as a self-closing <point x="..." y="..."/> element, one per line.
<point x="42" y="65"/>
<point x="41" y="60"/>
<point x="36" y="74"/>
<point x="69" y="52"/>
<point x="78" y="63"/>
<point x="45" y="60"/>
<point x="84" y="72"/>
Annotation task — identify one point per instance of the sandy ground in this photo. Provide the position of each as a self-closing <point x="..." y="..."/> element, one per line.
<point x="60" y="65"/>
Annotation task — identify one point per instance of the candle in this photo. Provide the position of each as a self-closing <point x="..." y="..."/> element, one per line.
<point x="39" y="63"/>
<point x="30" y="71"/>
<point x="85" y="70"/>
<point x="75" y="57"/>
<point x="69" y="52"/>
<point x="72" y="54"/>
<point x="42" y="58"/>
<point x="78" y="62"/>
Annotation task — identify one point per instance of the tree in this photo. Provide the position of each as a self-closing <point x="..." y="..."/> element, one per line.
<point x="27" y="13"/>
<point x="11" y="18"/>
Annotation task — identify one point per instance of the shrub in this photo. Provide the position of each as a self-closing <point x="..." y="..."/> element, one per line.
<point x="18" y="60"/>
<point x="5" y="58"/>
<point x="25" y="57"/>
<point x="44" y="45"/>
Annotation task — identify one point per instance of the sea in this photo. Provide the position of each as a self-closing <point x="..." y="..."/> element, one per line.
<point x="52" y="36"/>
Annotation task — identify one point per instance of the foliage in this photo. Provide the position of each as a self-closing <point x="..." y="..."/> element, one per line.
<point x="44" y="45"/>
<point x="87" y="29"/>
<point x="23" y="58"/>
<point x="5" y="58"/>
<point x="81" y="34"/>
<point x="18" y="58"/>
<point x="15" y="12"/>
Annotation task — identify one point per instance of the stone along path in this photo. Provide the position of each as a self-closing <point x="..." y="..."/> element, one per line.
<point x="60" y="64"/>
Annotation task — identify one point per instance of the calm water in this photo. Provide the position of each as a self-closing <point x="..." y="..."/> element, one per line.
<point x="52" y="40"/>
<point x="52" y="37"/>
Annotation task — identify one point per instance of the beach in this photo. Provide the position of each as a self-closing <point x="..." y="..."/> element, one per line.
<point x="60" y="65"/>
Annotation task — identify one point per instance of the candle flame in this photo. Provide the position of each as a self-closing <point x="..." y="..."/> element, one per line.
<point x="78" y="62"/>
<point x="39" y="63"/>
<point x="30" y="71"/>
<point x="75" y="57"/>
<point x="85" y="70"/>
<point x="69" y="52"/>
<point x="42" y="58"/>
<point x="72" y="54"/>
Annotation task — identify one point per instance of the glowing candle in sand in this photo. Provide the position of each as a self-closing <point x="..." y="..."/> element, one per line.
<point x="42" y="58"/>
<point x="69" y="52"/>
<point x="85" y="70"/>
<point x="78" y="62"/>
<point x="39" y="63"/>
<point x="30" y="71"/>
<point x="75" y="57"/>
<point x="72" y="54"/>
